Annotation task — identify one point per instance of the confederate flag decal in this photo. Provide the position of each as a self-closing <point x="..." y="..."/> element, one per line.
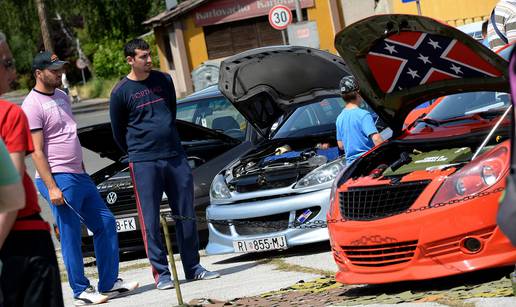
<point x="409" y="59"/>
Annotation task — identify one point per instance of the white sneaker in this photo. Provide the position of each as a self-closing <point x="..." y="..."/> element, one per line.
<point x="120" y="287"/>
<point x="90" y="296"/>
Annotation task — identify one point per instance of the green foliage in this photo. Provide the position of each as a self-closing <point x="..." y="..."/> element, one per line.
<point x="109" y="61"/>
<point x="102" y="26"/>
<point x="20" y="23"/>
<point x="26" y="81"/>
<point x="97" y="87"/>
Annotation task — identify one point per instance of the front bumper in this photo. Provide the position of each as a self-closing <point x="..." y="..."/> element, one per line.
<point x="132" y="241"/>
<point x="420" y="245"/>
<point x="279" y="210"/>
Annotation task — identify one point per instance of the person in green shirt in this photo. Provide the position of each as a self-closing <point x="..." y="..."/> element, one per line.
<point x="12" y="195"/>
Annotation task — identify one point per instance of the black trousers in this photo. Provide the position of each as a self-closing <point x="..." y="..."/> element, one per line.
<point x="30" y="274"/>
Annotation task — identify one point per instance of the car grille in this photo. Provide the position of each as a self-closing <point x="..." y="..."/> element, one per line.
<point x="271" y="223"/>
<point x="125" y="199"/>
<point x="380" y="255"/>
<point x="370" y="203"/>
<point x="266" y="224"/>
<point x="257" y="225"/>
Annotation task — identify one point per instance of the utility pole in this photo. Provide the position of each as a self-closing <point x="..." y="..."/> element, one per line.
<point x="47" y="41"/>
<point x="299" y="13"/>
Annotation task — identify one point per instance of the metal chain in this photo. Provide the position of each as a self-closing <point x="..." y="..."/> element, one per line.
<point x="281" y="225"/>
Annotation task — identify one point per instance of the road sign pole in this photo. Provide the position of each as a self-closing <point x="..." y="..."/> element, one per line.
<point x="299" y="13"/>
<point x="418" y="7"/>
<point x="83" y="78"/>
<point x="284" y="36"/>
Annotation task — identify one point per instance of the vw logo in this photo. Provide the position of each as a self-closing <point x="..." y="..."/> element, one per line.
<point x="111" y="198"/>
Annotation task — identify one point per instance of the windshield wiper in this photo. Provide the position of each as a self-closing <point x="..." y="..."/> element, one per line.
<point x="428" y="120"/>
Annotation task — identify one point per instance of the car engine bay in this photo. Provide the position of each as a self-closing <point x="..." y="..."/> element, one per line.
<point x="280" y="165"/>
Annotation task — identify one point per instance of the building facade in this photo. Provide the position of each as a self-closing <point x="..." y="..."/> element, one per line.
<point x="196" y="35"/>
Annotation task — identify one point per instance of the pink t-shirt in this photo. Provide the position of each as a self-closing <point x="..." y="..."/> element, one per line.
<point x="53" y="114"/>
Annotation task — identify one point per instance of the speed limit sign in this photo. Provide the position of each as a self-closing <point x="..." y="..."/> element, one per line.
<point x="280" y="17"/>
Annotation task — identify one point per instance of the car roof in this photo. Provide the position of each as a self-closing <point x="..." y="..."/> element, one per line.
<point x="209" y="92"/>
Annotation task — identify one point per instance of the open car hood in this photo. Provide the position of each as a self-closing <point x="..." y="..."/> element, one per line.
<point x="266" y="83"/>
<point x="401" y="61"/>
<point x="99" y="138"/>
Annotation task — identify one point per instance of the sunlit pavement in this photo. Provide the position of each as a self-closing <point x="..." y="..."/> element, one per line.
<point x="302" y="276"/>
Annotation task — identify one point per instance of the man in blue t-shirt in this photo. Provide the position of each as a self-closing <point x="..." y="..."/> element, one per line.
<point x="356" y="131"/>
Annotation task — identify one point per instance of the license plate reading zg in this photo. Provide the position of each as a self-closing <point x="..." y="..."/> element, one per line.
<point x="258" y="245"/>
<point x="122" y="225"/>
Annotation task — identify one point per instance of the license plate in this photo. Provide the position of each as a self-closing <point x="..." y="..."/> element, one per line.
<point x="258" y="245"/>
<point x="122" y="225"/>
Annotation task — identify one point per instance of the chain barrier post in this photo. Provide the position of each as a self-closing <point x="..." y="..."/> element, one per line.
<point x="171" y="260"/>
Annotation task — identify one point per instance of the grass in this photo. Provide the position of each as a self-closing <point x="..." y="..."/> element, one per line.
<point x="97" y="88"/>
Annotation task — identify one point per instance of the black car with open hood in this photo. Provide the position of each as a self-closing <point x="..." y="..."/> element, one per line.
<point x="266" y="83"/>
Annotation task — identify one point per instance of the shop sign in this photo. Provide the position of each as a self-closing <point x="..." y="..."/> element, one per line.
<point x="222" y="11"/>
<point x="304" y="34"/>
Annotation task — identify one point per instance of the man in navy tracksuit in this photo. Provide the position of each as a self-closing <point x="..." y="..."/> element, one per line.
<point x="143" y="115"/>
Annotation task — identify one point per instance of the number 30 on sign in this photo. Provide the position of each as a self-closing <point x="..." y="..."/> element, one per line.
<point x="280" y="17"/>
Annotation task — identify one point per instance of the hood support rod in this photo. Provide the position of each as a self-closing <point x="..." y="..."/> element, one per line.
<point x="491" y="132"/>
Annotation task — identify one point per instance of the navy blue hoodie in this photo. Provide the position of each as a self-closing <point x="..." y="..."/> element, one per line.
<point x="143" y="115"/>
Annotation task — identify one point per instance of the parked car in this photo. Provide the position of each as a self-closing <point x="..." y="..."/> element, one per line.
<point x="473" y="29"/>
<point x="290" y="95"/>
<point x="212" y="133"/>
<point x="423" y="204"/>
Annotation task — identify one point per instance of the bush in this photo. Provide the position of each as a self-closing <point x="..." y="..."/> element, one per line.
<point x="109" y="61"/>
<point x="25" y="81"/>
<point x="97" y="87"/>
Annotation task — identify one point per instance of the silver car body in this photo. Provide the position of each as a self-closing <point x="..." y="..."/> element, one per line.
<point x="287" y="210"/>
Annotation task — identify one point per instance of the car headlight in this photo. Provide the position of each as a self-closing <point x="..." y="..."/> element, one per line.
<point x="219" y="189"/>
<point x="321" y="175"/>
<point x="476" y="176"/>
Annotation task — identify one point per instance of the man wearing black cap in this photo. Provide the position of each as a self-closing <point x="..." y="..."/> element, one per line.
<point x="356" y="131"/>
<point x="70" y="192"/>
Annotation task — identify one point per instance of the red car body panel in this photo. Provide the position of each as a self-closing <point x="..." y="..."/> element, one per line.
<point x="436" y="235"/>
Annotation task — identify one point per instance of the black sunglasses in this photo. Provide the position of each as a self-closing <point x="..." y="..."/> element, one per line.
<point x="8" y="64"/>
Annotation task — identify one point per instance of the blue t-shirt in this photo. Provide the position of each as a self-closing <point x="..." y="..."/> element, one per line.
<point x="354" y="128"/>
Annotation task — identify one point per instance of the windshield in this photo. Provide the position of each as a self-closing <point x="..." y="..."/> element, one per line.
<point x="316" y="118"/>
<point x="215" y="113"/>
<point x="467" y="104"/>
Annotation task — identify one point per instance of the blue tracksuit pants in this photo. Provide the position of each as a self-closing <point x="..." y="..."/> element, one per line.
<point x="86" y="205"/>
<point x="174" y="177"/>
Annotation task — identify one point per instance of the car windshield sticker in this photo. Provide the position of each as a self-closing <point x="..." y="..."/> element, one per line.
<point x="409" y="59"/>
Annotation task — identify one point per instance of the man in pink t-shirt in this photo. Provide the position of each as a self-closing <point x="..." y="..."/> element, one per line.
<point x="70" y="192"/>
